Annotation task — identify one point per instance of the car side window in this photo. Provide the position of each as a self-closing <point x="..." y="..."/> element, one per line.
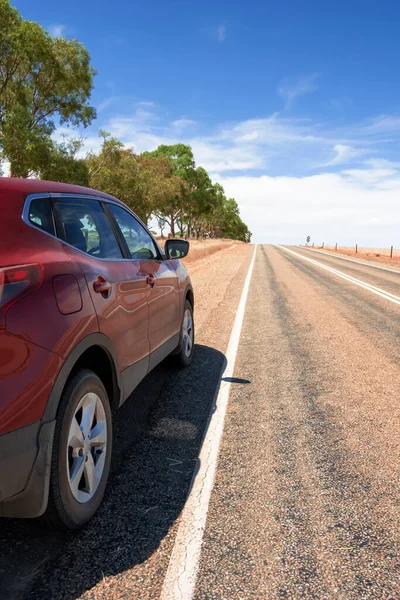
<point x="140" y="243"/>
<point x="41" y="214"/>
<point x="87" y="228"/>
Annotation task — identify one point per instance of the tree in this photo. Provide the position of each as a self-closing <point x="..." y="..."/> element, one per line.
<point x="202" y="202"/>
<point x="143" y="182"/>
<point x="226" y="221"/>
<point x="160" y="188"/>
<point x="165" y="190"/>
<point x="180" y="155"/>
<point x="187" y="196"/>
<point x="115" y="170"/>
<point x="64" y="166"/>
<point x="182" y="165"/>
<point x="43" y="81"/>
<point x="161" y="224"/>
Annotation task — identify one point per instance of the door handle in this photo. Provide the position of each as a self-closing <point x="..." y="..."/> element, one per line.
<point x="102" y="286"/>
<point x="150" y="280"/>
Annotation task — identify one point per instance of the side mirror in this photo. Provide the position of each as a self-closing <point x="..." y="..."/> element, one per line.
<point x="176" y="248"/>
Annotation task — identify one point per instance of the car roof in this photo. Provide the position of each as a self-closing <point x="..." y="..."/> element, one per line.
<point x="35" y="186"/>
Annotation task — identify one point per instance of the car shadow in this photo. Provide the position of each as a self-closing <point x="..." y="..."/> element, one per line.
<point x="158" y="435"/>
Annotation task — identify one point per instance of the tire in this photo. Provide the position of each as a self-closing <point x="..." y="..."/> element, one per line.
<point x="181" y="357"/>
<point x="80" y="460"/>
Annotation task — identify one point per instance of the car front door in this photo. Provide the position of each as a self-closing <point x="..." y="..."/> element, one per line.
<point x="163" y="291"/>
<point x="117" y="285"/>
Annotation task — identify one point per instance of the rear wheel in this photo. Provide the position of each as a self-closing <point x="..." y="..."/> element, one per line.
<point x="184" y="353"/>
<point x="81" y="452"/>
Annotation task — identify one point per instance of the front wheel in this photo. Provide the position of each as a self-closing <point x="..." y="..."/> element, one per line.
<point x="185" y="350"/>
<point x="81" y="452"/>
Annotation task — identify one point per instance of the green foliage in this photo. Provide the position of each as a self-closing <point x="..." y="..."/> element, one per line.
<point x="229" y="223"/>
<point x="163" y="190"/>
<point x="166" y="183"/>
<point x="43" y="81"/>
<point x="115" y="170"/>
<point x="64" y="166"/>
<point x="180" y="155"/>
<point x="177" y="164"/>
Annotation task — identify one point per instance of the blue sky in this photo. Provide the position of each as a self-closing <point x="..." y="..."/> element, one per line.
<point x="293" y="106"/>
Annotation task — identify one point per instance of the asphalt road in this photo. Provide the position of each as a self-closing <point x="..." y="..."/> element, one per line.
<point x="306" y="499"/>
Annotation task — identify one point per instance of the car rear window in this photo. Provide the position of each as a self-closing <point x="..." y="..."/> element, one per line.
<point x="86" y="227"/>
<point x="41" y="214"/>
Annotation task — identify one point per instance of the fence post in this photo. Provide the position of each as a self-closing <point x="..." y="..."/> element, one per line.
<point x="391" y="252"/>
<point x="356" y="248"/>
<point x="336" y="246"/>
<point x="323" y="244"/>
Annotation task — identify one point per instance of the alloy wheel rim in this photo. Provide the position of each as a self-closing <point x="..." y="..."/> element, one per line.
<point x="86" y="447"/>
<point x="187" y="330"/>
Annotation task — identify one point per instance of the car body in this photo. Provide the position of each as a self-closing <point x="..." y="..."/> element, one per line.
<point x="84" y="286"/>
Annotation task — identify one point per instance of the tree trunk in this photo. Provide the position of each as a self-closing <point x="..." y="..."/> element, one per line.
<point x="172" y="225"/>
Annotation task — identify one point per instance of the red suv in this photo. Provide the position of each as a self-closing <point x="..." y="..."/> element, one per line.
<point x="89" y="304"/>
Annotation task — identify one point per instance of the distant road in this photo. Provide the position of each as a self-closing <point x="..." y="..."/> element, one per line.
<point x="335" y="266"/>
<point x="363" y="260"/>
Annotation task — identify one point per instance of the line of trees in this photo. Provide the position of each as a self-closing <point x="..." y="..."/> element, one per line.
<point x="45" y="81"/>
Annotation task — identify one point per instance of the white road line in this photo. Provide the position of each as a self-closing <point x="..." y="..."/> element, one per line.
<point x="354" y="260"/>
<point x="371" y="288"/>
<point x="180" y="579"/>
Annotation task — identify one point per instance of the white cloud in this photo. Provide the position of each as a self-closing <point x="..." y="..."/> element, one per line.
<point x="220" y="33"/>
<point x="104" y="104"/>
<point x="57" y="30"/>
<point x="384" y="124"/>
<point x="272" y="131"/>
<point x="340" y="104"/>
<point x="181" y="125"/>
<point x="142" y="120"/>
<point x="375" y="178"/>
<point x="215" y="157"/>
<point x="291" y="88"/>
<point x="343" y="154"/>
<point x="382" y="163"/>
<point x="146" y="103"/>
<point x="330" y="207"/>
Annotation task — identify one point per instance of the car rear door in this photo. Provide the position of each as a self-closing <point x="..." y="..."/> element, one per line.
<point x="163" y="290"/>
<point x="117" y="285"/>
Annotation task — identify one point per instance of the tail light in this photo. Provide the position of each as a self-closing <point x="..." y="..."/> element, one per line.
<point x="15" y="283"/>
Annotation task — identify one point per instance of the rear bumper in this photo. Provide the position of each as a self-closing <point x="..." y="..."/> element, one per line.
<point x="25" y="461"/>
